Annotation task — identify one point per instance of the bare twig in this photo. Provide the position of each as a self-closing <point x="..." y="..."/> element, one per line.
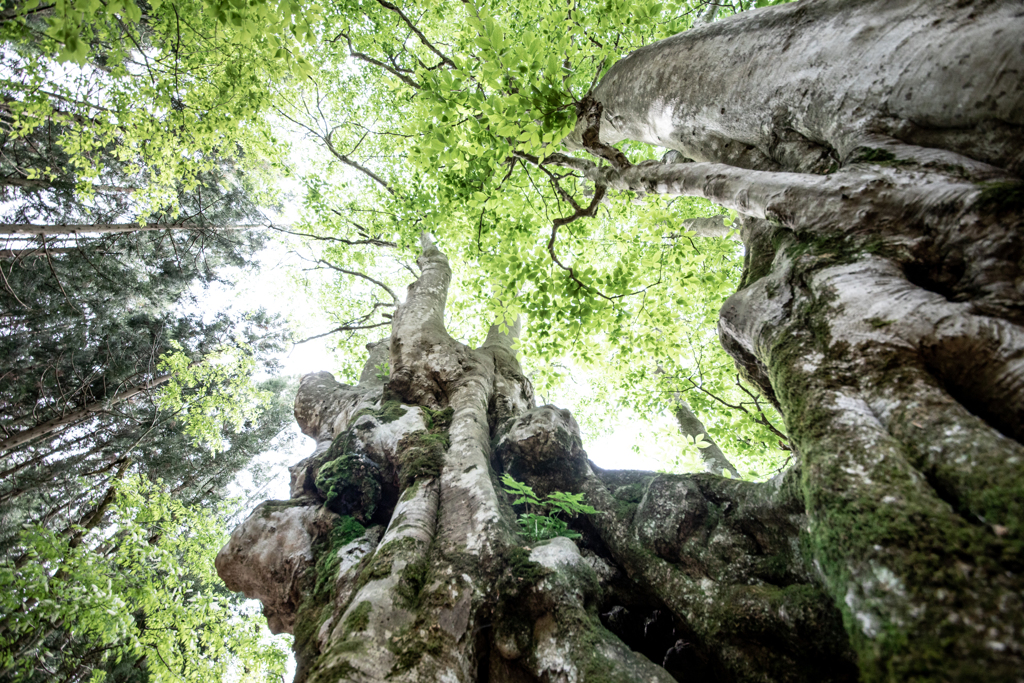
<point x="356" y="273"/>
<point x="369" y="241"/>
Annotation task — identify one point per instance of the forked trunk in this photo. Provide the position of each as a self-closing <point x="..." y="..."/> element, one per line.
<point x="874" y="149"/>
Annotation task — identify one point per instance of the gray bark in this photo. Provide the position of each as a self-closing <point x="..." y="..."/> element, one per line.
<point x="105" y="228"/>
<point x="715" y="461"/>
<point x="876" y="152"/>
<point x="820" y="75"/>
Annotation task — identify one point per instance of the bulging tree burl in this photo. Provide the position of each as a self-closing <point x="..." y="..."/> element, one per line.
<point x="873" y="151"/>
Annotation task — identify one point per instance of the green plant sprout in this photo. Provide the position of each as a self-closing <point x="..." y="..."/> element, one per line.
<point x="540" y="527"/>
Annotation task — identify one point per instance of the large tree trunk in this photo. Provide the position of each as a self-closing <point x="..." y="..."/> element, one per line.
<point x="876" y="150"/>
<point x="695" y="577"/>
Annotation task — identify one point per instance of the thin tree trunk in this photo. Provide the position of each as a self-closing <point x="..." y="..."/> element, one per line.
<point x="79" y="414"/>
<point x="38" y="251"/>
<point x="109" y="228"/>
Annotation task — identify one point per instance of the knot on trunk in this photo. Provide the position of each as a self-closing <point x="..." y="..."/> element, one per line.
<point x="543" y="446"/>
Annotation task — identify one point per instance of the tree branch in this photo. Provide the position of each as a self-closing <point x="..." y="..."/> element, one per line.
<point x="419" y="34"/>
<point x="394" y="71"/>
<point x="356" y="273"/>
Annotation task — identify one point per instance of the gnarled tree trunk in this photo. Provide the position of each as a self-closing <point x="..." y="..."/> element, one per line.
<point x="399" y="558"/>
<point x="874" y="150"/>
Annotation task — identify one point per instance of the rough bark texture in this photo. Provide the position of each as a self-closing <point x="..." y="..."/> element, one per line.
<point x="875" y="150"/>
<point x="399" y="557"/>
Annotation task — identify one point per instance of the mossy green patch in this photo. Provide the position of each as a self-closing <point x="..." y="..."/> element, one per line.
<point x="350" y="485"/>
<point x="524" y="571"/>
<point x="1001" y="195"/>
<point x="440" y="419"/>
<point x="413" y="579"/>
<point x="359" y="618"/>
<point x="873" y="155"/>
<point x="421" y="455"/>
<point x="269" y="507"/>
<point x="390" y="411"/>
<point x="412" y="645"/>
<point x="627" y="499"/>
<point x="381" y="564"/>
<point x="346" y="529"/>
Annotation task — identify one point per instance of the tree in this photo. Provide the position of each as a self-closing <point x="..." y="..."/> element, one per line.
<point x="140" y="601"/>
<point x="714" y="587"/>
<point x="86" y="335"/>
<point x="873" y="153"/>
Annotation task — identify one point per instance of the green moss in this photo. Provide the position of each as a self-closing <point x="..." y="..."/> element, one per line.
<point x="413" y="580"/>
<point x="872" y="155"/>
<point x="926" y="549"/>
<point x="412" y="645"/>
<point x="269" y="507"/>
<point x="346" y="529"/>
<point x="438" y="419"/>
<point x="879" y="322"/>
<point x="337" y="667"/>
<point x="390" y="411"/>
<point x="421" y="455"/>
<point x="379" y="567"/>
<point x="350" y="484"/>
<point x="627" y="499"/>
<point x="338" y="672"/>
<point x="525" y="572"/>
<point x="309" y="616"/>
<point x="359" y="618"/>
<point x="410" y="492"/>
<point x="1008" y="195"/>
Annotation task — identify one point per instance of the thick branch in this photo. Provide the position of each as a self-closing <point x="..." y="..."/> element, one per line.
<point x="419" y="34"/>
<point x="714" y="459"/>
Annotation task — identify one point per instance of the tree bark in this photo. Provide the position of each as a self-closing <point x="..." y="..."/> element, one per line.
<point x="715" y="461"/>
<point x="107" y="228"/>
<point x="875" y="151"/>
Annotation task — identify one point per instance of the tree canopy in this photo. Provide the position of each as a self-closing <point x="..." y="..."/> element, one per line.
<point x="438" y="118"/>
